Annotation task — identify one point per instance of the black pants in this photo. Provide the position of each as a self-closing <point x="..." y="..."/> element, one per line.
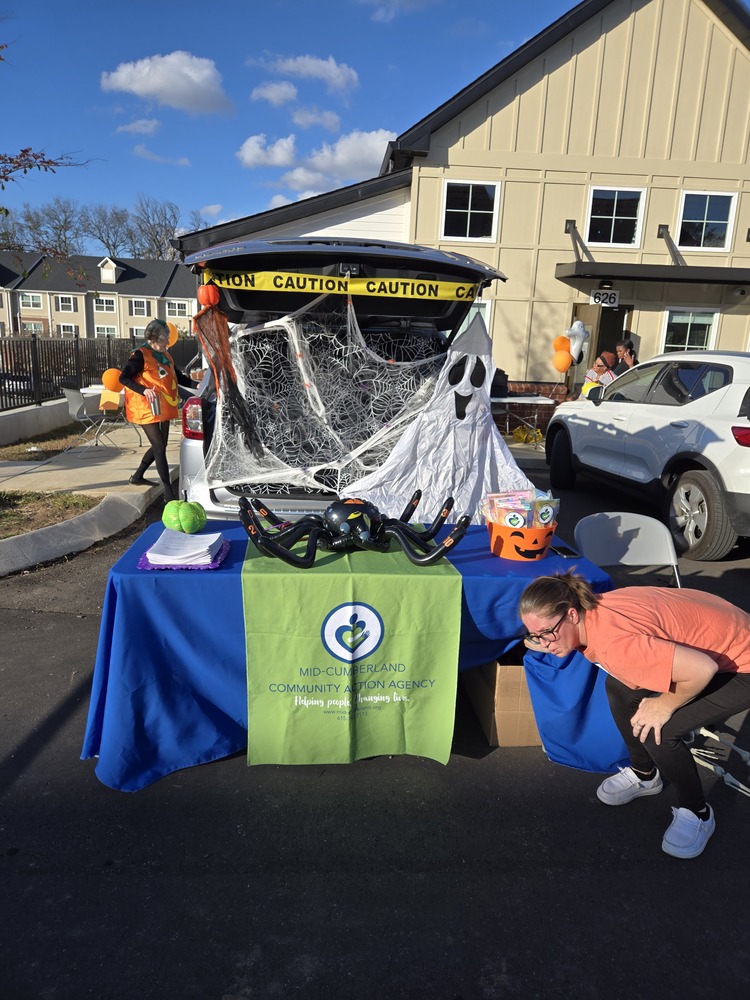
<point x="726" y="695"/>
<point x="158" y="436"/>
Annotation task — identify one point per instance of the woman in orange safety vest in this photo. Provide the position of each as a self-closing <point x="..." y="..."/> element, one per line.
<point x="151" y="377"/>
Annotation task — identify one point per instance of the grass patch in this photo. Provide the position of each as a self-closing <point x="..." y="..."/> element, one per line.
<point x="44" y="445"/>
<point x="22" y="512"/>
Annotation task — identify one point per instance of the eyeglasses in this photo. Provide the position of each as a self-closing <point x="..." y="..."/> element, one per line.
<point x="547" y="635"/>
<point x="599" y="364"/>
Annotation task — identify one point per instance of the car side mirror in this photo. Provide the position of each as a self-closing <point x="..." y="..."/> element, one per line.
<point x="595" y="393"/>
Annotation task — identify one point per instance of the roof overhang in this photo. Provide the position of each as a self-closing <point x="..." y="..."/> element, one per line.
<point x="586" y="270"/>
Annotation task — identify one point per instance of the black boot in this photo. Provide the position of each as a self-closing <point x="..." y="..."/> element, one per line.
<point x="138" y="480"/>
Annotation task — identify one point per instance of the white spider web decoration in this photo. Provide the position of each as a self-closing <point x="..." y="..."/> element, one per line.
<point x="328" y="405"/>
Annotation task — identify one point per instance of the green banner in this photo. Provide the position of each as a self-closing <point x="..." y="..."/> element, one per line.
<point x="355" y="657"/>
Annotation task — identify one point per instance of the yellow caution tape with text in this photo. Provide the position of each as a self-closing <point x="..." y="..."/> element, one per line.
<point x="322" y="284"/>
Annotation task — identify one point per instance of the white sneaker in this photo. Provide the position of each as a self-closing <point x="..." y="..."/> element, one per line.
<point x="626" y="786"/>
<point x="688" y="834"/>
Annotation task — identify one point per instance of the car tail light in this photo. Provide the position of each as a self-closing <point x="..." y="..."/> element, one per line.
<point x="742" y="436"/>
<point x="192" y="419"/>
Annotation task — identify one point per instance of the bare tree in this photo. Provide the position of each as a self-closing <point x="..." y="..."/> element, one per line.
<point x="111" y="227"/>
<point x="197" y="222"/>
<point x="154" y="224"/>
<point x="12" y="234"/>
<point x="55" y="226"/>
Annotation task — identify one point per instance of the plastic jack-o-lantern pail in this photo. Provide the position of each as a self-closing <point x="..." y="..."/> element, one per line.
<point x="526" y="544"/>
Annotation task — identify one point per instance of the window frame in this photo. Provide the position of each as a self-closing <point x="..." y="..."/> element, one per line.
<point x="177" y="304"/>
<point x="136" y="304"/>
<point x="30" y="295"/>
<point x="26" y="332"/>
<point x="108" y="299"/>
<point x="642" y="193"/>
<point x="65" y="333"/>
<point x="99" y="331"/>
<point x="713" y="333"/>
<point x="65" y="301"/>
<point x="730" y="221"/>
<point x="458" y="182"/>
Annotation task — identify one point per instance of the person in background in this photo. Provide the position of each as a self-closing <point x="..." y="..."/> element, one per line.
<point x="626" y="357"/>
<point x="600" y="373"/>
<point x="676" y="660"/>
<point x="151" y="377"/>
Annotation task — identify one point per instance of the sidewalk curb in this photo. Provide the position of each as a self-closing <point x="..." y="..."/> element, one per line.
<point x="115" y="512"/>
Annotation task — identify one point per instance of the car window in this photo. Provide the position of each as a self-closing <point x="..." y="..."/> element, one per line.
<point x="713" y="378"/>
<point x="634" y="386"/>
<point x="685" y="381"/>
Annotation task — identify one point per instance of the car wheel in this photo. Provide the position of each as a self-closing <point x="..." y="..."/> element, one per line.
<point x="697" y="517"/>
<point x="562" y="475"/>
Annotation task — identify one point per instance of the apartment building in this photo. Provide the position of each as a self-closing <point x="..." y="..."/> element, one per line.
<point x="92" y="296"/>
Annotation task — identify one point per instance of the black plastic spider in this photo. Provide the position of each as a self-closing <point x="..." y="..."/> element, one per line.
<point x="349" y="524"/>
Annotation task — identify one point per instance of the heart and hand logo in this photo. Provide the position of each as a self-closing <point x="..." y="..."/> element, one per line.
<point x="352" y="635"/>
<point x="352" y="631"/>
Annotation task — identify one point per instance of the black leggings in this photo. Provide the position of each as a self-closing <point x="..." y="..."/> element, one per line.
<point x="158" y="436"/>
<point x="726" y="695"/>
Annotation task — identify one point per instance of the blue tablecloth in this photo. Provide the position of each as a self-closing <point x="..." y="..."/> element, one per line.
<point x="170" y="683"/>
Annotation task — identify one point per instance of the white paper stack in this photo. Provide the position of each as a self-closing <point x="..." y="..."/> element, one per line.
<point x="175" y="548"/>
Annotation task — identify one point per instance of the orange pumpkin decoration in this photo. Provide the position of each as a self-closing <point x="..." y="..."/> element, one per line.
<point x="208" y="295"/>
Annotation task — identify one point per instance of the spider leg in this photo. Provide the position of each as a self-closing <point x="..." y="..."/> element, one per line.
<point x="276" y="544"/>
<point x="265" y="513"/>
<point x="289" y="533"/>
<point x="411" y="507"/>
<point x="437" y="524"/>
<point x="438" y="551"/>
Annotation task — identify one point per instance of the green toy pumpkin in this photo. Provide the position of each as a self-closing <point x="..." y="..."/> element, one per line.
<point x="184" y="515"/>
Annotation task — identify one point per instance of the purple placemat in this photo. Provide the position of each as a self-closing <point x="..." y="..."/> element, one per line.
<point x="143" y="562"/>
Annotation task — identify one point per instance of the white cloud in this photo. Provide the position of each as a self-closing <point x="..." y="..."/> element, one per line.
<point x="336" y="76"/>
<point x="210" y="210"/>
<point x="302" y="177"/>
<point x="254" y="152"/>
<point x="387" y="10"/>
<point x="143" y="126"/>
<point x="178" y="80"/>
<point x="275" y="93"/>
<point x="305" y="117"/>
<point x="147" y="154"/>
<point x="278" y="200"/>
<point x="353" y="157"/>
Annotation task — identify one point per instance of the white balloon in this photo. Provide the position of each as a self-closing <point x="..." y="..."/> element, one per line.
<point x="577" y="335"/>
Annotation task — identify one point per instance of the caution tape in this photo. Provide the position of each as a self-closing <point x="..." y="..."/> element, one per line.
<point x="321" y="284"/>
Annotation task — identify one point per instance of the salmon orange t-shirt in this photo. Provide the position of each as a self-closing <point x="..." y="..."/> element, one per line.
<point x="633" y="632"/>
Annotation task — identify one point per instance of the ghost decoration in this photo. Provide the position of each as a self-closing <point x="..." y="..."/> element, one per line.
<point x="577" y="335"/>
<point x="452" y="447"/>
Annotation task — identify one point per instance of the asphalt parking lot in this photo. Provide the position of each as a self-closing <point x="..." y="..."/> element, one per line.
<point x="499" y="875"/>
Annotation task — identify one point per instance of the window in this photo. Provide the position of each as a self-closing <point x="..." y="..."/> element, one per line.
<point x="138" y="331"/>
<point x="32" y="328"/>
<point x="483" y="309"/>
<point x="615" y="216"/>
<point x="104" y="305"/>
<point x="706" y="220"/>
<point x="65" y="303"/>
<point x="470" y="211"/>
<point x="634" y="386"/>
<point x="689" y="330"/>
<point x="30" y="300"/>
<point x="139" y="307"/>
<point x="176" y="310"/>
<point x="105" y="331"/>
<point x="67" y="329"/>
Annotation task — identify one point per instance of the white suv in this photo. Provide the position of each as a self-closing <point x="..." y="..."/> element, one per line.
<point x="675" y="430"/>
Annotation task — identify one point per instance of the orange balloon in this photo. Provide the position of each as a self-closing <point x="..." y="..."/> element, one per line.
<point x="111" y="380"/>
<point x="562" y="360"/>
<point x="174" y="335"/>
<point x="561" y="343"/>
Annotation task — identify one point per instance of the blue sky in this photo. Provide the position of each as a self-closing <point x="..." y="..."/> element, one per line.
<point x="233" y="108"/>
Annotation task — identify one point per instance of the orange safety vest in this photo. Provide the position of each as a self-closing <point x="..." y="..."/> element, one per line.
<point x="160" y="377"/>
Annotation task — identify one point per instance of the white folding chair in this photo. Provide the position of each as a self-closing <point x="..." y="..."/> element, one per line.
<point x="619" y="538"/>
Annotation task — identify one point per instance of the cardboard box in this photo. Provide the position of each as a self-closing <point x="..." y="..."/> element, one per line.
<point x="500" y="698"/>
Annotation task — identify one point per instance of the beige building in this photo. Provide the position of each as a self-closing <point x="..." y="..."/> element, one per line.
<point x="603" y="167"/>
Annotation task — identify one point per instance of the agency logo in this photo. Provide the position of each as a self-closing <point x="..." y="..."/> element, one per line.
<point x="352" y="631"/>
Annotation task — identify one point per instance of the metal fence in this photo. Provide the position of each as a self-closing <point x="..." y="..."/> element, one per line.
<point x="35" y="369"/>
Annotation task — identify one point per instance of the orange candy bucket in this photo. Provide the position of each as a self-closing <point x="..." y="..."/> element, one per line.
<point x="523" y="544"/>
